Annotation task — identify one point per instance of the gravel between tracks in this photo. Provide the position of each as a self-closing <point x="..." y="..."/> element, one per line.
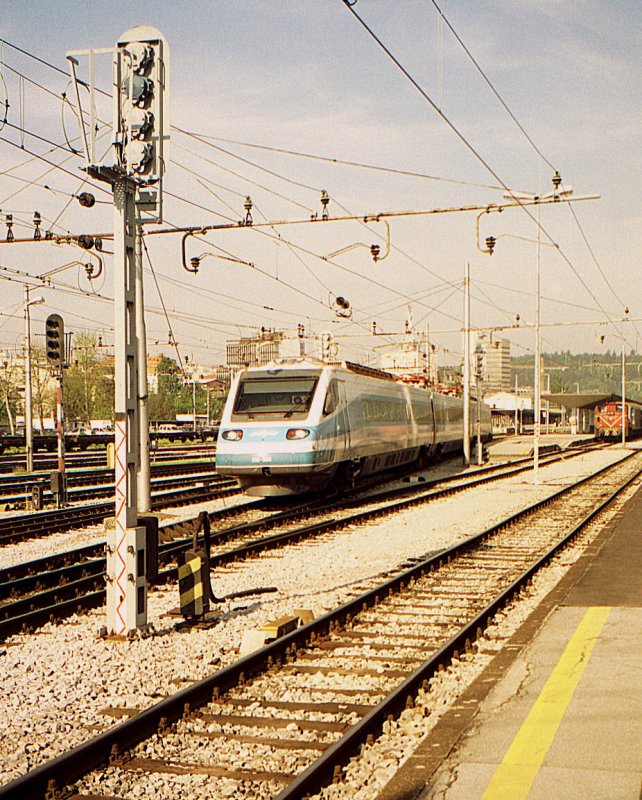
<point x="57" y="682"/>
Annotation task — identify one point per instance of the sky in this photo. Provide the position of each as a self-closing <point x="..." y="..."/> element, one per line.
<point x="287" y="99"/>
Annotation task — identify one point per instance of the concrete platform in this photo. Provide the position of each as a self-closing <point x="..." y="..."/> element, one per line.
<point x="510" y="447"/>
<point x="561" y="705"/>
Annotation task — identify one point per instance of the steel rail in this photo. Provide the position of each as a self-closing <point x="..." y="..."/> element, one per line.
<point x="95" y="475"/>
<point x="110" y="745"/>
<point x="21" y="615"/>
<point x="43" y="523"/>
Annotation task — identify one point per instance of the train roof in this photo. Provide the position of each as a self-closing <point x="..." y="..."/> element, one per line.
<point x="315" y="364"/>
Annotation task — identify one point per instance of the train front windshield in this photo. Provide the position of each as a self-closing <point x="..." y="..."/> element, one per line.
<point x="279" y="396"/>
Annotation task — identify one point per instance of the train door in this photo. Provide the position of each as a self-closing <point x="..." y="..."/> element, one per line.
<point x="343" y="421"/>
<point x="335" y="410"/>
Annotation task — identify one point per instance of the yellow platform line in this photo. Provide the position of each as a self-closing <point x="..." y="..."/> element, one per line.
<point x="515" y="775"/>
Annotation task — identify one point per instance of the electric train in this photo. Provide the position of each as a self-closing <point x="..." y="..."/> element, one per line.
<point x="297" y="425"/>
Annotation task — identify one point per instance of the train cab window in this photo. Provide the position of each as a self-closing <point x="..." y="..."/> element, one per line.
<point x="331" y="399"/>
<point x="279" y="396"/>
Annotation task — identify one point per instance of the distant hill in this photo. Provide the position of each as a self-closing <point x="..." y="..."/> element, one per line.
<point x="590" y="372"/>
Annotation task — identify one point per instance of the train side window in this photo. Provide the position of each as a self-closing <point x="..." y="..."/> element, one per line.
<point x="331" y="399"/>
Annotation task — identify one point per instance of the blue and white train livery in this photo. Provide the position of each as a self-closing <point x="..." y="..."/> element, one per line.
<point x="296" y="425"/>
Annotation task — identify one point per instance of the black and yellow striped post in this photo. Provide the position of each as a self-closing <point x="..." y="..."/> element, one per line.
<point x="194" y="573"/>
<point x="194" y="598"/>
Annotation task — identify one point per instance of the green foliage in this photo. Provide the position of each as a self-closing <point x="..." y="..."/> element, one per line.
<point x="174" y="395"/>
<point x="588" y="372"/>
<point x="89" y="382"/>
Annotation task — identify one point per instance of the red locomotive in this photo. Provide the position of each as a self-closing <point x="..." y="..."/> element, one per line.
<point x="608" y="420"/>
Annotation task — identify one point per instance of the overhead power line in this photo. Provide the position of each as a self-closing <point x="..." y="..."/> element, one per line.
<point x="476" y="154"/>
<point x="492" y="88"/>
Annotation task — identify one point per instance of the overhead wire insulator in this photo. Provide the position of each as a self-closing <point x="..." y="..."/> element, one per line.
<point x="9" y="221"/>
<point x="557" y="180"/>
<point x="37" y="221"/>
<point x="85" y="241"/>
<point x="375" y="249"/>
<point x="490" y="244"/>
<point x="86" y="199"/>
<point x="325" y="199"/>
<point x="247" y="205"/>
<point x="195" y="263"/>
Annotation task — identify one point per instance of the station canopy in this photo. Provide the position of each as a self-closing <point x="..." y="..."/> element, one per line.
<point x="584" y="399"/>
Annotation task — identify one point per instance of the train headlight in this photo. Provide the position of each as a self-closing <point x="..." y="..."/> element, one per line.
<point x="297" y="433"/>
<point x="233" y="435"/>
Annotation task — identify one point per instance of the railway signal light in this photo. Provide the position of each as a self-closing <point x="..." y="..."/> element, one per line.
<point x="55" y="340"/>
<point x="141" y="113"/>
<point x="328" y="347"/>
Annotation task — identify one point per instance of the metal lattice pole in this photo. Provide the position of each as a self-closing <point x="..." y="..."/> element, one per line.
<point x="126" y="583"/>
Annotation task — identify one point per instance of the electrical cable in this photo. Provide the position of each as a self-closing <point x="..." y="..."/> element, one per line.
<point x="596" y="262"/>
<point x="200" y="139"/>
<point x="255" y="166"/>
<point x="98" y="187"/>
<point x="475" y="153"/>
<point x="162" y="301"/>
<point x="341" y="162"/>
<point x="491" y="87"/>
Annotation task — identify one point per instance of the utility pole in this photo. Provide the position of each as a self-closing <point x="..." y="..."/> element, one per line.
<point x="623" y="393"/>
<point x="140" y="133"/>
<point x="466" y="432"/>
<point x="28" y="403"/>
<point x="143" y="478"/>
<point x="193" y="398"/>
<point x="478" y="377"/>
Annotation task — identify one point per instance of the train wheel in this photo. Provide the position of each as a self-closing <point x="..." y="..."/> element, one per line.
<point x="423" y="459"/>
<point x="347" y="475"/>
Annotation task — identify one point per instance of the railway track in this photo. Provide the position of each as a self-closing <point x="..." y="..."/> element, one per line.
<point x="285" y="720"/>
<point x="44" y="462"/>
<point x="168" y="478"/>
<point x="42" y="523"/>
<point x="32" y="594"/>
<point x="11" y="483"/>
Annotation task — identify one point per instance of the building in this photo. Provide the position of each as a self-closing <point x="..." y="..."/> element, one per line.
<point x="495" y="355"/>
<point x="411" y="359"/>
<point x="268" y="345"/>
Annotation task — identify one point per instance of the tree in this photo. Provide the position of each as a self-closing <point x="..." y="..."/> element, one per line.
<point x="175" y="393"/>
<point x="89" y="385"/>
<point x="169" y="384"/>
<point x="10" y="397"/>
<point x="42" y="386"/>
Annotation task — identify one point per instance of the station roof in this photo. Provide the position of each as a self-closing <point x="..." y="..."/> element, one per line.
<point x="583" y="399"/>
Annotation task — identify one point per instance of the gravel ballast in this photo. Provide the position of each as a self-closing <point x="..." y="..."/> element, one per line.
<point x="58" y="682"/>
